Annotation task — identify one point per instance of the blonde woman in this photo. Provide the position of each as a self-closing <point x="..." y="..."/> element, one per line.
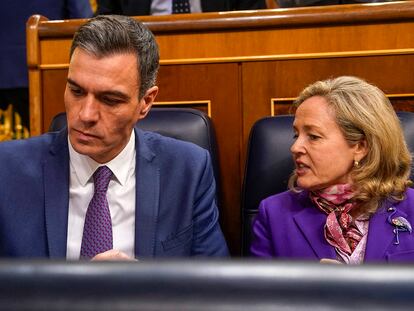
<point x="349" y="199"/>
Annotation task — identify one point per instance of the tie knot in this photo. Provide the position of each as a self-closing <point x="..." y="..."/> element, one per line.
<point x="101" y="178"/>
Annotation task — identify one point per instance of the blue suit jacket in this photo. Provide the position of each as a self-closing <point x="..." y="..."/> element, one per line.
<point x="289" y="226"/>
<point x="176" y="213"/>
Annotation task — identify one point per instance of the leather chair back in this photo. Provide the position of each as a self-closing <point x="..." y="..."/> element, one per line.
<point x="269" y="164"/>
<point x="181" y="123"/>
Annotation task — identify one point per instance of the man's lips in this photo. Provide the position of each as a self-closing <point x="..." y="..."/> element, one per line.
<point x="85" y="134"/>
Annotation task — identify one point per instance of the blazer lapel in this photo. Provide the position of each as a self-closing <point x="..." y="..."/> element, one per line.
<point x="147" y="174"/>
<point x="56" y="187"/>
<point x="311" y="223"/>
<point x="380" y="233"/>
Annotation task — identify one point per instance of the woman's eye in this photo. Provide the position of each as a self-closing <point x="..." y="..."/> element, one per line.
<point x="313" y="137"/>
<point x="295" y="136"/>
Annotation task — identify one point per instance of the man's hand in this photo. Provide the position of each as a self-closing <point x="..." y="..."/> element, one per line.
<point x="113" y="255"/>
<point x="330" y="261"/>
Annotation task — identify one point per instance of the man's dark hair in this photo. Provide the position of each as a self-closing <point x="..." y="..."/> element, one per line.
<point x="106" y="35"/>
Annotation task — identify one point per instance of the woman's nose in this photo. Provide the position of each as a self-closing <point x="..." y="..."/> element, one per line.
<point x="297" y="146"/>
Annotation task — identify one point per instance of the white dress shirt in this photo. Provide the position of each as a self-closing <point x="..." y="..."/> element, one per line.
<point x="120" y="195"/>
<point x="162" y="7"/>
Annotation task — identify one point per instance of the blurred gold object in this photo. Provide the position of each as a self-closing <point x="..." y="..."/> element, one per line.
<point x="93" y="5"/>
<point x="11" y="125"/>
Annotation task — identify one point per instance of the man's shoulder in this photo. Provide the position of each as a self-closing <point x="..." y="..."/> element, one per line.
<point x="170" y="147"/>
<point x="30" y="146"/>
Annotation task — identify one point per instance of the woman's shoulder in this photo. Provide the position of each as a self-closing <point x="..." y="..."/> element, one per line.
<point x="406" y="205"/>
<point x="409" y="193"/>
<point x="408" y="196"/>
<point x="286" y="200"/>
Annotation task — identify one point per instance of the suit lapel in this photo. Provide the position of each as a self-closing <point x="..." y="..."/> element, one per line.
<point x="56" y="185"/>
<point x="311" y="223"/>
<point x="147" y="196"/>
<point x="380" y="230"/>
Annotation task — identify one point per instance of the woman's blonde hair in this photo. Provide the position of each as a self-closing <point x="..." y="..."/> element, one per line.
<point x="364" y="112"/>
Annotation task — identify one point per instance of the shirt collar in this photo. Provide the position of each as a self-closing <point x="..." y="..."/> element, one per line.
<point x="84" y="167"/>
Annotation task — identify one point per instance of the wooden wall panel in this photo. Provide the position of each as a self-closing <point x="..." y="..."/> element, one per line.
<point x="54" y="82"/>
<point x="55" y="52"/>
<point x="271" y="42"/>
<point x="263" y="81"/>
<point x="218" y="83"/>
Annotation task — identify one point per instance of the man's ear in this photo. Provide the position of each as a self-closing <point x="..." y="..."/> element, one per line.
<point x="147" y="100"/>
<point x="361" y="150"/>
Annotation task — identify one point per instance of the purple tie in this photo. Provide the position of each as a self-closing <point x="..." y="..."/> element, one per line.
<point x="97" y="231"/>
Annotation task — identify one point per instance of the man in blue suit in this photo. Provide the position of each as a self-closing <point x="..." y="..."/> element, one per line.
<point x="158" y="7"/>
<point x="160" y="200"/>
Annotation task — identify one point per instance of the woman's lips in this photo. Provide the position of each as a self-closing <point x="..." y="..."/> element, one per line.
<point x="301" y="168"/>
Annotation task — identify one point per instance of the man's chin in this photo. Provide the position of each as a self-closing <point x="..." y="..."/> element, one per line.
<point x="84" y="149"/>
<point x="97" y="154"/>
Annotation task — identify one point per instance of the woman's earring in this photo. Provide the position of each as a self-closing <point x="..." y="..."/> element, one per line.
<point x="356" y="164"/>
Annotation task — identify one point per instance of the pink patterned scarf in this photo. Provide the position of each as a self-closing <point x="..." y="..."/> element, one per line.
<point x="340" y="229"/>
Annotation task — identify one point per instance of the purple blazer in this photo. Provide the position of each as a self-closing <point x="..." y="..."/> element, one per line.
<point x="289" y="226"/>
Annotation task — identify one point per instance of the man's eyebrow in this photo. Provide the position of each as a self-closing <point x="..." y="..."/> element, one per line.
<point x="70" y="81"/>
<point x="119" y="94"/>
<point x="115" y="93"/>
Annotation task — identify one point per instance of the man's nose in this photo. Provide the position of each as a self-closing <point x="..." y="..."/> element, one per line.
<point x="89" y="111"/>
